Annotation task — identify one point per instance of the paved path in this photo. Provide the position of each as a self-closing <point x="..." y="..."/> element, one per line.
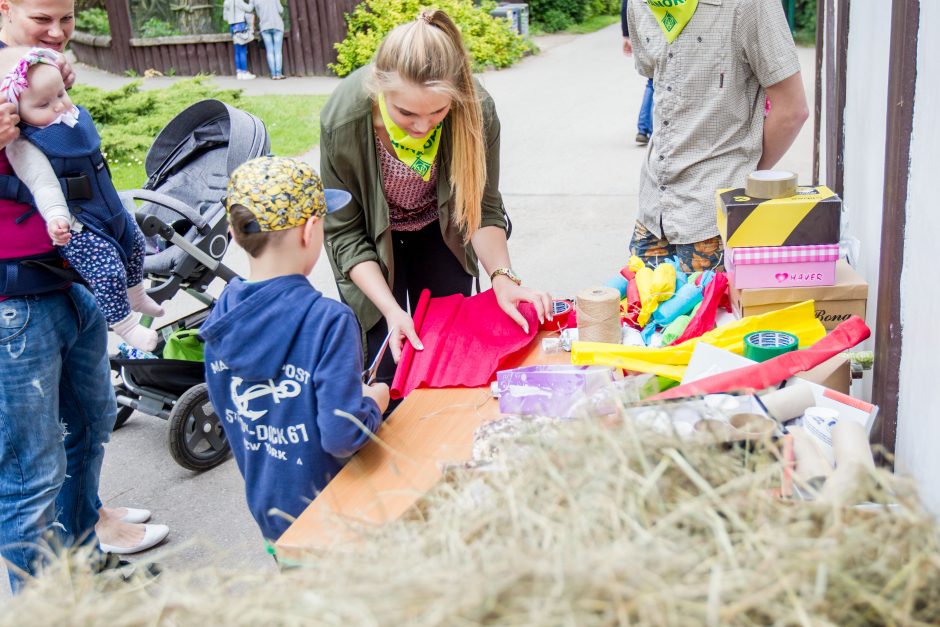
<point x="569" y="177"/>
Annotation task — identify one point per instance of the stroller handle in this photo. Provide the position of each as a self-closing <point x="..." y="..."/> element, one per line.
<point x="170" y="203"/>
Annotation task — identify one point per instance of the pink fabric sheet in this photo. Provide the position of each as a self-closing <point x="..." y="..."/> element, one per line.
<point x="466" y="340"/>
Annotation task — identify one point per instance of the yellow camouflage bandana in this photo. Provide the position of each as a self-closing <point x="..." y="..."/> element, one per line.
<point x="281" y="193"/>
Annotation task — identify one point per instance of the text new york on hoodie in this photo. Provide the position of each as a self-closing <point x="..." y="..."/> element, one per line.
<point x="280" y="359"/>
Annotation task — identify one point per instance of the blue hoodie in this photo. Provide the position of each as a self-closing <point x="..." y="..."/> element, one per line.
<point x="280" y="358"/>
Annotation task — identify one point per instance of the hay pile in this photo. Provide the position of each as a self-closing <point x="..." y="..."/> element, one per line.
<point x="591" y="525"/>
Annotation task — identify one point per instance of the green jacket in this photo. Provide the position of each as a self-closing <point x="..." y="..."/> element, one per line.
<point x="361" y="231"/>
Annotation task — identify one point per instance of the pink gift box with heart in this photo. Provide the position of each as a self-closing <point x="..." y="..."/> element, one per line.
<point x="783" y="266"/>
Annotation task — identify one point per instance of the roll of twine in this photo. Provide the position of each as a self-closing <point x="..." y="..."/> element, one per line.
<point x="599" y="315"/>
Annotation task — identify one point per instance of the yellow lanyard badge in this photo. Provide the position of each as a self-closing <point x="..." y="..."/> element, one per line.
<point x="418" y="154"/>
<point x="672" y="15"/>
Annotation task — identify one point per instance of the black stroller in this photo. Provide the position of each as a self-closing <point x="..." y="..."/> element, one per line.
<point x="183" y="219"/>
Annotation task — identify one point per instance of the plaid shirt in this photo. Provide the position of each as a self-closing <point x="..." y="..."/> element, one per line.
<point x="708" y="107"/>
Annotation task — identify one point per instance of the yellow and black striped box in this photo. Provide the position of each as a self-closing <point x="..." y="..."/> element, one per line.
<point x="810" y="217"/>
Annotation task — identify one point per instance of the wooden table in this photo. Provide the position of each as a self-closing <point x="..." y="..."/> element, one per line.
<point x="385" y="479"/>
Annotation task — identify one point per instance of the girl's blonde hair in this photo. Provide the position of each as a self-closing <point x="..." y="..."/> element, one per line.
<point x="429" y="52"/>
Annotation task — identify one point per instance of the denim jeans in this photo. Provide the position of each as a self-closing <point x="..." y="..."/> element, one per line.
<point x="644" y="123"/>
<point x="241" y="57"/>
<point x="56" y="412"/>
<point x="273" y="38"/>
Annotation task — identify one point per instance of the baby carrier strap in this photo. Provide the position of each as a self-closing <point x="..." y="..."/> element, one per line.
<point x="35" y="275"/>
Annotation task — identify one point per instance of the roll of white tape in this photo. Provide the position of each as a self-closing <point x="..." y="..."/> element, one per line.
<point x="771" y="184"/>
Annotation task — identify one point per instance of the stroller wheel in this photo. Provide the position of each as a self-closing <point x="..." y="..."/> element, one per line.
<point x="196" y="439"/>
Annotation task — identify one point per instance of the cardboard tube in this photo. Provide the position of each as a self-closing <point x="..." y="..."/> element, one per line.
<point x="788" y="403"/>
<point x="770" y="184"/>
<point x="853" y="463"/>
<point x="850" y="444"/>
<point x="811" y="464"/>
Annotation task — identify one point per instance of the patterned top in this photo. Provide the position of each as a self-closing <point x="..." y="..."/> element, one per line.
<point x="708" y="107"/>
<point x="412" y="201"/>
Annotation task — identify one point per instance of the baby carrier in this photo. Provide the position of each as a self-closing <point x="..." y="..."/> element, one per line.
<point x="75" y="156"/>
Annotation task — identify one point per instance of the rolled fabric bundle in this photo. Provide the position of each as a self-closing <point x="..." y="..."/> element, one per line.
<point x="599" y="315"/>
<point x="688" y="296"/>
<point x="675" y="329"/>
<point x="655" y="287"/>
<point x="619" y="283"/>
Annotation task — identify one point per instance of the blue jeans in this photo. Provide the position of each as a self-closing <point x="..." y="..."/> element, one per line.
<point x="56" y="412"/>
<point x="644" y="123"/>
<point x="273" y="38"/>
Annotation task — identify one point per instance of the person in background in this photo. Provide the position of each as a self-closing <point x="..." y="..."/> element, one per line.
<point x="415" y="140"/>
<point x="280" y="357"/>
<point x="644" y="122"/>
<point x="714" y="65"/>
<point x="271" y="24"/>
<point x="240" y="23"/>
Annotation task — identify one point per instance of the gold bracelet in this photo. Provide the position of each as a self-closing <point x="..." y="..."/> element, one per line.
<point x="506" y="272"/>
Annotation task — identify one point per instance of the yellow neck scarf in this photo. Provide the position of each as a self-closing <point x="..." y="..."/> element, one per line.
<point x="672" y="15"/>
<point x="417" y="154"/>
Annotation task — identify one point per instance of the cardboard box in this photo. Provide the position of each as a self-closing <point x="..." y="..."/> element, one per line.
<point x="834" y="303"/>
<point x="812" y="216"/>
<point x="783" y="266"/>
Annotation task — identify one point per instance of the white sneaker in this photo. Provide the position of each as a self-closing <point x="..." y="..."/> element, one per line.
<point x="245" y="76"/>
<point x="153" y="535"/>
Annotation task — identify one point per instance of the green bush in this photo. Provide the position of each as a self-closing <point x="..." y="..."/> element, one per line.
<point x="555" y="15"/>
<point x="554" y="20"/>
<point x="128" y="118"/>
<point x="93" y="21"/>
<point x="491" y="41"/>
<point x="155" y="27"/>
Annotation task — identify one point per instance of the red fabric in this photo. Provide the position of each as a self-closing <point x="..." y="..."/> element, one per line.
<point x="465" y="342"/>
<point x="771" y="372"/>
<point x="704" y="319"/>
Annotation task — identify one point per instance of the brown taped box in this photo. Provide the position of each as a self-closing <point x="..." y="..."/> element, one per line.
<point x="834" y="303"/>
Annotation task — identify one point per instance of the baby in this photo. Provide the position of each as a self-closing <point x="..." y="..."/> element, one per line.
<point x="59" y="149"/>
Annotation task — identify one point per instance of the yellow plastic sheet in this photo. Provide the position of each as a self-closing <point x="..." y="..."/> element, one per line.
<point x="671" y="361"/>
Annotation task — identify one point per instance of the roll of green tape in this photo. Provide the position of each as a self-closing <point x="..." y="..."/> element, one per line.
<point x="763" y="345"/>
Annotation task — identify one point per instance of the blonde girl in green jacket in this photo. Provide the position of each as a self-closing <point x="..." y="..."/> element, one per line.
<point x="415" y="140"/>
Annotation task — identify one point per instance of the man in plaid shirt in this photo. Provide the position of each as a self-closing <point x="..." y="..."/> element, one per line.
<point x="715" y="65"/>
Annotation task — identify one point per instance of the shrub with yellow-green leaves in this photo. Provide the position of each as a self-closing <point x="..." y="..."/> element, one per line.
<point x="490" y="41"/>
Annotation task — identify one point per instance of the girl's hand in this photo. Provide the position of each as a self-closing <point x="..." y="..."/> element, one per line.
<point x="58" y="229"/>
<point x="8" y="122"/>
<point x="509" y="295"/>
<point x="401" y="327"/>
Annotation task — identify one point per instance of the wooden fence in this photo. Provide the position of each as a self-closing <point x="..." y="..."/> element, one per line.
<point x="315" y="25"/>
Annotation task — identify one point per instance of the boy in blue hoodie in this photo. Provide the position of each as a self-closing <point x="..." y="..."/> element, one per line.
<point x="281" y="359"/>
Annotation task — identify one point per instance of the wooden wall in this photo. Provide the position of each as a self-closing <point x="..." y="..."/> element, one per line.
<point x="315" y="25"/>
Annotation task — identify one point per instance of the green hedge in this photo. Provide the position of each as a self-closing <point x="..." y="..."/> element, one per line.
<point x="491" y="41"/>
<point x="556" y="15"/>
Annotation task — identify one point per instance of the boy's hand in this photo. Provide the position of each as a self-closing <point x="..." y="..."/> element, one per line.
<point x="378" y="392"/>
<point x="58" y="229"/>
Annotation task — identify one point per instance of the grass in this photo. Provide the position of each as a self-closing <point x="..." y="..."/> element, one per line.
<point x="594" y="522"/>
<point x="129" y="119"/>
<point x="590" y="25"/>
